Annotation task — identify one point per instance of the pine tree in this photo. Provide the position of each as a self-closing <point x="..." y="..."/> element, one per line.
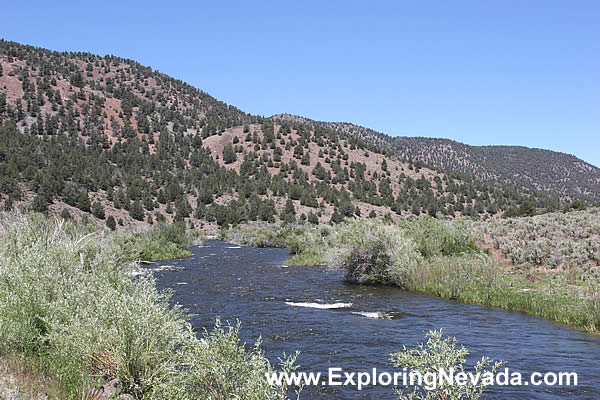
<point x="289" y="207"/>
<point x="98" y="210"/>
<point x="65" y="214"/>
<point x="111" y="223"/>
<point x="2" y="103"/>
<point x="312" y="218"/>
<point x="229" y="155"/>
<point x="83" y="202"/>
<point x="137" y="211"/>
<point x="305" y="159"/>
<point x="40" y="203"/>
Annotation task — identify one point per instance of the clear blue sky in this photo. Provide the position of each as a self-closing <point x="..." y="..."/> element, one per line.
<point x="480" y="72"/>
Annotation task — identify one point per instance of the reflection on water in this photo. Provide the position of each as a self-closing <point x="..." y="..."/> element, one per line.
<point x="335" y="324"/>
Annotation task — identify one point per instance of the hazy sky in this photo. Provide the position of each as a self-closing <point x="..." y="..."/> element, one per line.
<point x="480" y="72"/>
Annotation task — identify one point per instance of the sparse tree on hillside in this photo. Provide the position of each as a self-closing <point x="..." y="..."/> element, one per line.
<point x="2" y="103"/>
<point x="65" y="214"/>
<point x="83" y="203"/>
<point x="40" y="204"/>
<point x="137" y="211"/>
<point x="111" y="223"/>
<point x="289" y="207"/>
<point x="98" y="210"/>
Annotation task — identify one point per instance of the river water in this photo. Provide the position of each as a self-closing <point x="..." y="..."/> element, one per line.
<point x="337" y="324"/>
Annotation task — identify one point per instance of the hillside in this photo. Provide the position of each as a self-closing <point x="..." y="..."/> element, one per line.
<point x="557" y="174"/>
<point x="109" y="139"/>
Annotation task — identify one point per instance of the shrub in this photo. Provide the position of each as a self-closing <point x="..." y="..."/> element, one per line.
<point x="40" y="204"/>
<point x="111" y="223"/>
<point x="219" y="366"/>
<point x="374" y="253"/>
<point x="161" y="242"/>
<point x="98" y="210"/>
<point x="438" y="354"/>
<point x="434" y="237"/>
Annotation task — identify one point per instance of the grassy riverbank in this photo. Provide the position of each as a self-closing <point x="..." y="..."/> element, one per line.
<point x="75" y="309"/>
<point x="449" y="259"/>
<point x="162" y="242"/>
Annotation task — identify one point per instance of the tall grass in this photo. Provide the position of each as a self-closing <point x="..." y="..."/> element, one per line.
<point x="71" y="305"/>
<point x="161" y="242"/>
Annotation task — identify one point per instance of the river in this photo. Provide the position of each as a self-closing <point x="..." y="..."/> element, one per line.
<point x="337" y="324"/>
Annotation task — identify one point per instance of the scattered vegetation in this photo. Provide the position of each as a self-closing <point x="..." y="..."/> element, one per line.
<point x="441" y="258"/>
<point x="160" y="242"/>
<point x="20" y="381"/>
<point x="566" y="242"/>
<point x="116" y="141"/>
<point x="74" y="308"/>
<point x="535" y="169"/>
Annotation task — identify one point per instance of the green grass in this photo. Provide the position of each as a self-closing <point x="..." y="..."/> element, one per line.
<point x="161" y="242"/>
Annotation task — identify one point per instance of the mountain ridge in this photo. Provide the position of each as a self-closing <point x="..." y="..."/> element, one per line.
<point x="475" y="158"/>
<point x="103" y="136"/>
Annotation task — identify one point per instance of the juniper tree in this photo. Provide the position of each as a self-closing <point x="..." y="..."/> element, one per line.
<point x="229" y="155"/>
<point x="83" y="202"/>
<point x="40" y="204"/>
<point x="98" y="210"/>
<point x="111" y="223"/>
<point x="137" y="211"/>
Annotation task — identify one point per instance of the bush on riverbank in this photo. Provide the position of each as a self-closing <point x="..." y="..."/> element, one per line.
<point x="375" y="253"/>
<point x="369" y="251"/>
<point x="441" y="355"/>
<point x="161" y="242"/>
<point x="72" y="307"/>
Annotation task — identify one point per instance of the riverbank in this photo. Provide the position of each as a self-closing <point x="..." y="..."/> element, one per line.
<point x="449" y="259"/>
<point x="77" y="310"/>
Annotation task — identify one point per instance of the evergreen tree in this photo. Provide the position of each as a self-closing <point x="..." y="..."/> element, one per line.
<point x="137" y="211"/>
<point x="8" y="204"/>
<point x="110" y="223"/>
<point x="289" y="207"/>
<point x="2" y="103"/>
<point x="98" y="210"/>
<point x="40" y="203"/>
<point x="65" y="214"/>
<point x="312" y="218"/>
<point x="83" y="202"/>
<point x="229" y="155"/>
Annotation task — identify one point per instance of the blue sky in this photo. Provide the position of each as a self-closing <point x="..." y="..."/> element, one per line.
<point x="480" y="72"/>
